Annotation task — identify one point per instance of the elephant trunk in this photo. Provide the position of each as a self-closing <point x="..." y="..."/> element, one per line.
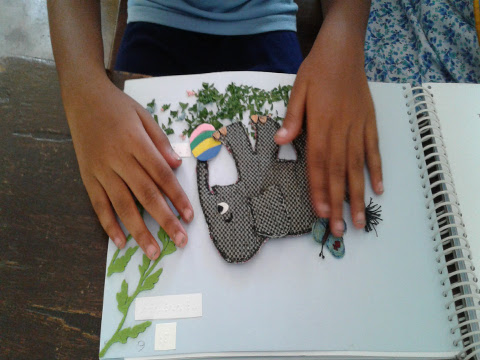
<point x="204" y="190"/>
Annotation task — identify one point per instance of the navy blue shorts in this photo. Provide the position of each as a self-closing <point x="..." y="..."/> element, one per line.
<point x="157" y="50"/>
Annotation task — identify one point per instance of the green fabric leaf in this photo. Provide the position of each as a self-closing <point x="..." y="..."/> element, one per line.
<point x="142" y="268"/>
<point x="122" y="298"/>
<point x="183" y="106"/>
<point x="169" y="248"/>
<point x="121" y="262"/>
<point x="123" y="335"/>
<point x="163" y="237"/>
<point x="167" y="130"/>
<point x="151" y="104"/>
<point x="150" y="281"/>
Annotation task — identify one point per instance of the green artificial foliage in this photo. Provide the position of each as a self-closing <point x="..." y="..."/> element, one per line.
<point x="149" y="276"/>
<point x="118" y="264"/>
<point x="213" y="107"/>
<point x="123" y="335"/>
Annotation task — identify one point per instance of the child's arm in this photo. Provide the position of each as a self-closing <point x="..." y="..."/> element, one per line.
<point x="331" y="90"/>
<point x="119" y="147"/>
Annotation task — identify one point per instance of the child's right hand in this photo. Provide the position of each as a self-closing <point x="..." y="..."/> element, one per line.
<point x="122" y="151"/>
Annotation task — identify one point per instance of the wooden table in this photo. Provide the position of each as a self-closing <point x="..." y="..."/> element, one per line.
<point x="52" y="247"/>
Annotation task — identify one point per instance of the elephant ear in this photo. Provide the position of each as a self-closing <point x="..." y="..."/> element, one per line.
<point x="270" y="213"/>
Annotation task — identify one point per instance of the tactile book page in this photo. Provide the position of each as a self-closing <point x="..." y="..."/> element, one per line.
<point x="383" y="298"/>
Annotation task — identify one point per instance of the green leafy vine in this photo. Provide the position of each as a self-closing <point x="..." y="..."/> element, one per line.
<point x="213" y="107"/>
<point x="118" y="264"/>
<point x="149" y="276"/>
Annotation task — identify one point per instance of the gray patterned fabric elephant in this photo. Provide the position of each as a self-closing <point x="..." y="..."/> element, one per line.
<point x="269" y="200"/>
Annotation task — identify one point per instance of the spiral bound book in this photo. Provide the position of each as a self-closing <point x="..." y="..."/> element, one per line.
<point x="407" y="290"/>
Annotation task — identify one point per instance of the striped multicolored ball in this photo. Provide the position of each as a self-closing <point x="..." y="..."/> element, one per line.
<point x="204" y="147"/>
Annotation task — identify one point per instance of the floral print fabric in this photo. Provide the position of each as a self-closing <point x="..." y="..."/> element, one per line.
<point x="418" y="41"/>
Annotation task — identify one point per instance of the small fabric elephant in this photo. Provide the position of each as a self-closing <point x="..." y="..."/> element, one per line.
<point x="270" y="198"/>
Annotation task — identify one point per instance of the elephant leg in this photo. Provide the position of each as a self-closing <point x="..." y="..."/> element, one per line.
<point x="293" y="183"/>
<point x="300" y="146"/>
<point x="235" y="138"/>
<point x="250" y="171"/>
<point x="265" y="128"/>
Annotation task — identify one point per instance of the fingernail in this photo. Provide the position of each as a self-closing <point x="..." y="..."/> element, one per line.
<point x="175" y="155"/>
<point x="180" y="239"/>
<point x="117" y="242"/>
<point x="188" y="215"/>
<point x="360" y="218"/>
<point x="380" y="187"/>
<point x="338" y="227"/>
<point x="152" y="252"/>
<point x="323" y="210"/>
<point x="282" y="132"/>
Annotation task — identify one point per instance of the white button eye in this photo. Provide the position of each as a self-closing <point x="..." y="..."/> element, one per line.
<point x="222" y="208"/>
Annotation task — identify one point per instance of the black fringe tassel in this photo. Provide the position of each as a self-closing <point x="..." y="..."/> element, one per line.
<point x="372" y="216"/>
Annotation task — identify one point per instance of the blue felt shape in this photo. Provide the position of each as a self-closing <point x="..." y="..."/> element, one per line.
<point x="334" y="244"/>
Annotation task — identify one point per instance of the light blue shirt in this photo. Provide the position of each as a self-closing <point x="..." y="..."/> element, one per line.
<point x="218" y="17"/>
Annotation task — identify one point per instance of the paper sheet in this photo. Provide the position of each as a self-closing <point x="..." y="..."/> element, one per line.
<point x="383" y="296"/>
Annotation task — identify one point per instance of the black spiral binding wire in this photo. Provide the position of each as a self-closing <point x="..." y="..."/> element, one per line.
<point x="449" y="235"/>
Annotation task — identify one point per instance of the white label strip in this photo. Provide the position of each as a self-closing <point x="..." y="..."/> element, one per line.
<point x="168" y="307"/>
<point x="182" y="149"/>
<point x="166" y="336"/>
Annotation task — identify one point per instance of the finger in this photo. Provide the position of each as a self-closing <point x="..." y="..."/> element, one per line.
<point x="152" y="199"/>
<point x="292" y="124"/>
<point x="374" y="161"/>
<point x="317" y="164"/>
<point x="103" y="209"/>
<point x="159" y="139"/>
<point x="336" y="180"/>
<point x="126" y="209"/>
<point x="356" y="182"/>
<point x="158" y="169"/>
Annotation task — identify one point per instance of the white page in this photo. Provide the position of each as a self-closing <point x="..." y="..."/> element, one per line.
<point x="458" y="107"/>
<point x="384" y="296"/>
